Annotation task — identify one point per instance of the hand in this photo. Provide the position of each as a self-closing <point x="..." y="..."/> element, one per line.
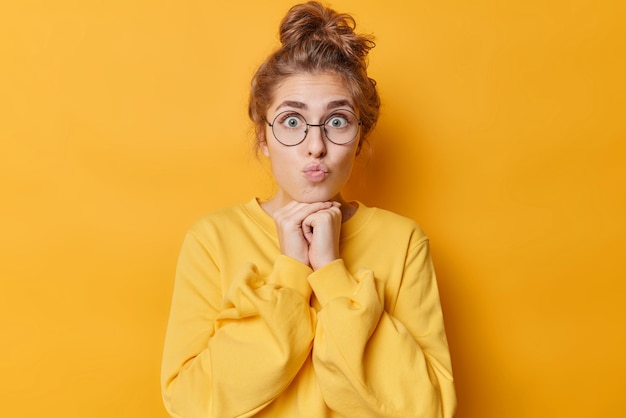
<point x="290" y="227"/>
<point x="321" y="230"/>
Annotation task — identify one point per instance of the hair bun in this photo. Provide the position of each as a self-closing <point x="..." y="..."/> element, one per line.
<point x="311" y="24"/>
<point x="315" y="40"/>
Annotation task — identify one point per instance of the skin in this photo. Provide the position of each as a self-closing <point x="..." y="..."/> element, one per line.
<point x="308" y="208"/>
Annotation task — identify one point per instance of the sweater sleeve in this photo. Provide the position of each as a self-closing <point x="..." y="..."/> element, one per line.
<point x="231" y="355"/>
<point x="371" y="362"/>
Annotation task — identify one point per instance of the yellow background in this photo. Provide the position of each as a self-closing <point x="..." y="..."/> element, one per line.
<point x="502" y="132"/>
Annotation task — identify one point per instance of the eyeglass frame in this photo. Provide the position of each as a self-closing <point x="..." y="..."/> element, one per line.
<point x="320" y="125"/>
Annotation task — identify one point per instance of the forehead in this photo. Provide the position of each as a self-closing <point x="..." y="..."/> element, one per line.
<point x="315" y="92"/>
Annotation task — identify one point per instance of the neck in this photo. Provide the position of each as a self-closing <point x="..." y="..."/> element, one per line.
<point x="348" y="209"/>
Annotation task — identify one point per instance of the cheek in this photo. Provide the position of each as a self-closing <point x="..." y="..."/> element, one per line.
<point x="347" y="162"/>
<point x="280" y="160"/>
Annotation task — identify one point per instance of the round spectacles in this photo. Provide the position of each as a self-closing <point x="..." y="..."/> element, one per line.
<point x="340" y="127"/>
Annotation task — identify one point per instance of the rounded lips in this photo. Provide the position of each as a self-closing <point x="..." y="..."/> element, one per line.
<point x="315" y="172"/>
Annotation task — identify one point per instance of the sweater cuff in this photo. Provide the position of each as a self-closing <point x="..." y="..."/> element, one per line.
<point x="332" y="281"/>
<point x="292" y="274"/>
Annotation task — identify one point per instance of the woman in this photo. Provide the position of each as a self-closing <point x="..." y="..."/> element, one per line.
<point x="306" y="305"/>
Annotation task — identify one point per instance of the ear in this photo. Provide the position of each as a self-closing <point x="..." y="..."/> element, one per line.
<point x="264" y="149"/>
<point x="359" y="147"/>
<point x="262" y="143"/>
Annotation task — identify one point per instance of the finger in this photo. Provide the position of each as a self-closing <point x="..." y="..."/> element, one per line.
<point x="297" y="211"/>
<point x="329" y="216"/>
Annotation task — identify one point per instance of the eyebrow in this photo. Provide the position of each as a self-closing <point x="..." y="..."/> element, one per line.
<point x="292" y="103"/>
<point x="339" y="103"/>
<point x="299" y="105"/>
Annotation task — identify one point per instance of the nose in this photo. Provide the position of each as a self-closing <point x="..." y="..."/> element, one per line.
<point x="316" y="141"/>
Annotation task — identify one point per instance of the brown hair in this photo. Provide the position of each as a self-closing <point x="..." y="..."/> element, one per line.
<point x="317" y="39"/>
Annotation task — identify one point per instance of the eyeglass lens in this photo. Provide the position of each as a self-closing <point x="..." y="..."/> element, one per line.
<point x="291" y="128"/>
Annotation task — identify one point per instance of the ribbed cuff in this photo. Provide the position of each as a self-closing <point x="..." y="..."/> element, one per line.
<point x="293" y="274"/>
<point x="332" y="281"/>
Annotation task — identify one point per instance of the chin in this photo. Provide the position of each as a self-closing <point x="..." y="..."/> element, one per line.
<point x="315" y="197"/>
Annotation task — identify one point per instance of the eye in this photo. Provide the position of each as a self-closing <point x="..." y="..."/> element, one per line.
<point x="338" y="121"/>
<point x="292" y="121"/>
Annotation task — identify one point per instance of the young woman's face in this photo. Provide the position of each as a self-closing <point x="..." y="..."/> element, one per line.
<point x="316" y="169"/>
